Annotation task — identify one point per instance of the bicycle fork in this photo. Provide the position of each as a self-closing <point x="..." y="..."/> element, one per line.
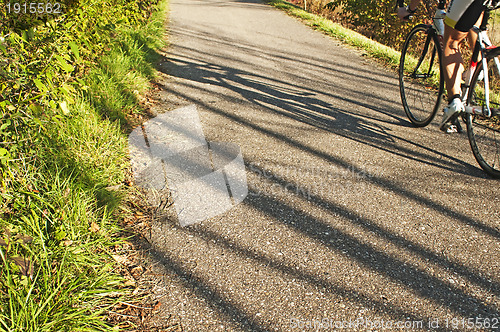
<point x="422" y="57"/>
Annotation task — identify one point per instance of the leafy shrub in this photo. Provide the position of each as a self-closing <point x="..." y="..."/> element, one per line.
<point x="61" y="150"/>
<point x="374" y="19"/>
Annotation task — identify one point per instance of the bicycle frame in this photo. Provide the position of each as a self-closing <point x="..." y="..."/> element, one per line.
<point x="484" y="47"/>
<point x="481" y="101"/>
<point x="432" y="30"/>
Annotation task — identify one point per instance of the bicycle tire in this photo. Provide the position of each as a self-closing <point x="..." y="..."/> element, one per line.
<point x="483" y="132"/>
<point x="421" y="79"/>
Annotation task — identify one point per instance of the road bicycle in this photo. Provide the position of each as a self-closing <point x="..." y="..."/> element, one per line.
<point x="421" y="83"/>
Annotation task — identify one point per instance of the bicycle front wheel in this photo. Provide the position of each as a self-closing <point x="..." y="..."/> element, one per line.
<point x="484" y="132"/>
<point x="421" y="81"/>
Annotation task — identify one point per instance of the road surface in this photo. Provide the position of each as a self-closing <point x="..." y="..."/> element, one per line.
<point x="352" y="215"/>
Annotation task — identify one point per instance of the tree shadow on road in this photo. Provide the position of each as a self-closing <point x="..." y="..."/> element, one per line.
<point x="345" y="111"/>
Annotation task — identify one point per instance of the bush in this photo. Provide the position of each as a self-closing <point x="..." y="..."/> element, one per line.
<point x="375" y="19"/>
<point x="62" y="153"/>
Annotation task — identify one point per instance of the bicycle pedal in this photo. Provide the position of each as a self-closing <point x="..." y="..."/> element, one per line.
<point x="451" y="129"/>
<point x="457" y="124"/>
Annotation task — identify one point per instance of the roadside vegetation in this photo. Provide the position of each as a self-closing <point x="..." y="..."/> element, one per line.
<point x="376" y="20"/>
<point x="375" y="49"/>
<point x="70" y="85"/>
<point x="372" y="26"/>
<point x="337" y="30"/>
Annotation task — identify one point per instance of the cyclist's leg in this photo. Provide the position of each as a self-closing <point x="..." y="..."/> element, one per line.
<point x="453" y="70"/>
<point x="461" y="16"/>
<point x="472" y="36"/>
<point x="452" y="60"/>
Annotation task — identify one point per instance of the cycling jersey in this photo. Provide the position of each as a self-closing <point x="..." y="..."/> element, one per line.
<point x="463" y="14"/>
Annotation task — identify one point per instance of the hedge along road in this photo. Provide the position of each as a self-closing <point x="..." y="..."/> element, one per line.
<point x="352" y="215"/>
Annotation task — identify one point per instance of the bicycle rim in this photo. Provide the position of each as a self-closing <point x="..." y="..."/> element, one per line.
<point x="484" y="132"/>
<point x="421" y="82"/>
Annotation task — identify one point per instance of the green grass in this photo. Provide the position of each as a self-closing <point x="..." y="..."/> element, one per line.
<point x="61" y="202"/>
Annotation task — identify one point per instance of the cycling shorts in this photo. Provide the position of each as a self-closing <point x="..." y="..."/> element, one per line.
<point x="463" y="14"/>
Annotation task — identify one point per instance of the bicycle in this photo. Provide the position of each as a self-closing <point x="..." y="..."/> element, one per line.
<point x="421" y="82"/>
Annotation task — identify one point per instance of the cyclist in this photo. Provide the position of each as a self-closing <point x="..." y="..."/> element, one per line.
<point x="461" y="15"/>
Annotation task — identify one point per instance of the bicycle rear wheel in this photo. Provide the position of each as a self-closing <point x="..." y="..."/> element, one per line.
<point x="484" y="132"/>
<point x="421" y="81"/>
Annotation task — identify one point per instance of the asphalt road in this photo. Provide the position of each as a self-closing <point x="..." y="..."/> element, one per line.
<point x="352" y="215"/>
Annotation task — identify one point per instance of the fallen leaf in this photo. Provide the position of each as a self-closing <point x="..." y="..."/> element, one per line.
<point x="157" y="306"/>
<point x="7" y="234"/>
<point x="129" y="283"/>
<point x="137" y="271"/>
<point x="24" y="238"/>
<point x="67" y="243"/>
<point x="121" y="259"/>
<point x="25" y="265"/>
<point x="143" y="225"/>
<point x="94" y="227"/>
<point x="64" y="108"/>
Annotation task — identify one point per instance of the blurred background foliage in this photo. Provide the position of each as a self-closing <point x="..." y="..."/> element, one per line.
<point x="374" y="19"/>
